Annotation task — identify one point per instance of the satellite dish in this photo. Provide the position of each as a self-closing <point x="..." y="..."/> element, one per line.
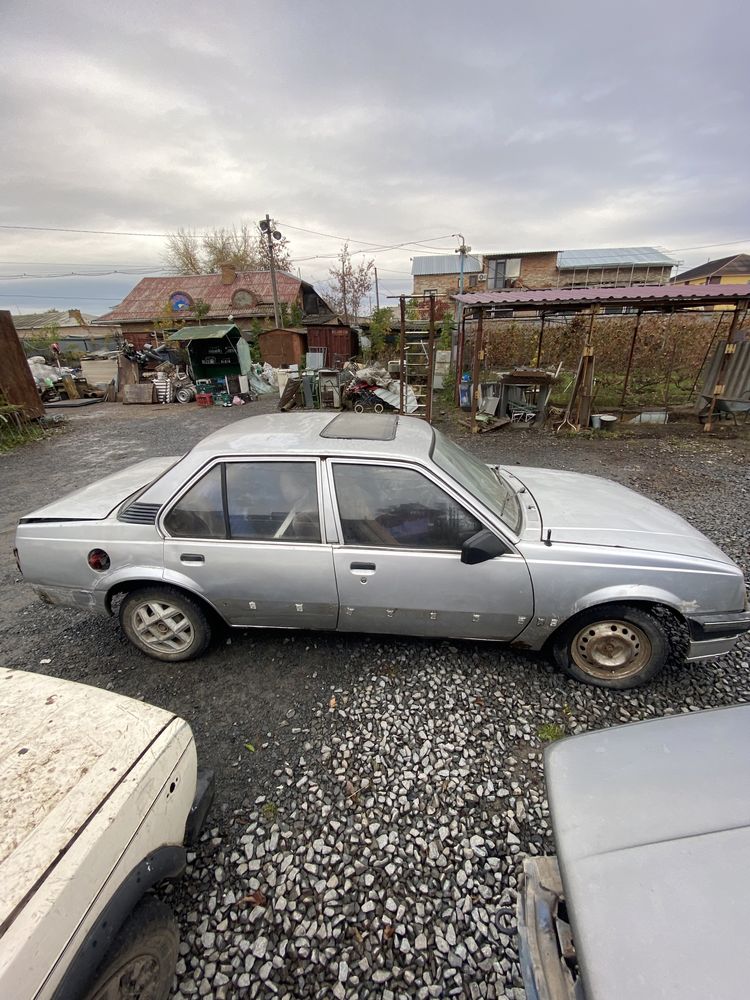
<point x="276" y="234"/>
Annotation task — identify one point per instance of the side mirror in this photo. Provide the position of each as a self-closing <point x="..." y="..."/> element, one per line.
<point x="481" y="547"/>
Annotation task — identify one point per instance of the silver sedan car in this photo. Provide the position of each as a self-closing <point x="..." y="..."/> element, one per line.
<point x="379" y="523"/>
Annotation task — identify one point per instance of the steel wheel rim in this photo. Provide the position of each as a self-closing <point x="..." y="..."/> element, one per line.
<point x="163" y="627"/>
<point x="138" y="978"/>
<point x="611" y="649"/>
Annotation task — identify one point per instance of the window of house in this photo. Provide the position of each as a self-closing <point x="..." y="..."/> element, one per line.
<point x="503" y="271"/>
<point x="715" y="279"/>
<point x="180" y="302"/>
<point x="200" y="512"/>
<point x="269" y="501"/>
<point x="472" y="281"/>
<point x="386" y="507"/>
<point x="430" y="291"/>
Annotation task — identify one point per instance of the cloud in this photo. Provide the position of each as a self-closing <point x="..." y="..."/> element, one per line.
<point x="522" y="128"/>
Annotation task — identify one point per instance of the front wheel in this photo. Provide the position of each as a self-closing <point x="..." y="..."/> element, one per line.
<point x="141" y="963"/>
<point x="165" y="623"/>
<point x="614" y="647"/>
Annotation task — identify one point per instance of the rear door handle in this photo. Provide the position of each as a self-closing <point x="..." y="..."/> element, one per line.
<point x="362" y="569"/>
<point x="192" y="557"/>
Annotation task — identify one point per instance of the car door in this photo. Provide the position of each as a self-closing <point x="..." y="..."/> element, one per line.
<point x="398" y="564"/>
<point x="246" y="534"/>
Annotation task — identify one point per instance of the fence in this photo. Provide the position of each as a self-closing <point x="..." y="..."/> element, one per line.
<point x="654" y="358"/>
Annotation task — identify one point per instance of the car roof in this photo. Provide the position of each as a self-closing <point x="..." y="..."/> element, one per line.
<point x="652" y="827"/>
<point x="363" y="434"/>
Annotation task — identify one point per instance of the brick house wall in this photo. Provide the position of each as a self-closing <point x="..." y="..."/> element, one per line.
<point x="538" y="270"/>
<point x="445" y="284"/>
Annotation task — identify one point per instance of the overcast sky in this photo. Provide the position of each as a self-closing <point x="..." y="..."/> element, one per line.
<point x="527" y="126"/>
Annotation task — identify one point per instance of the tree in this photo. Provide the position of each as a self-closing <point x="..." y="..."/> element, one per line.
<point x="295" y="314"/>
<point x="245" y="248"/>
<point x="349" y="285"/>
<point x="166" y="321"/>
<point x="200" y="310"/>
<point x="412" y="310"/>
<point x="380" y="327"/>
<point x="447" y="327"/>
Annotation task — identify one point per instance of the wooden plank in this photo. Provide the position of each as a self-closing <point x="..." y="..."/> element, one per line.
<point x="16" y="381"/>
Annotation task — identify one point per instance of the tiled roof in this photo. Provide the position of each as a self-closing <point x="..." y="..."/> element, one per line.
<point x="149" y="296"/>
<point x="53" y="317"/>
<point x="737" y="264"/>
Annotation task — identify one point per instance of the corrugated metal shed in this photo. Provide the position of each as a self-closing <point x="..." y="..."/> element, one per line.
<point x="736" y="375"/>
<point x="572" y="298"/>
<point x="282" y="347"/>
<point x="449" y="263"/>
<point x="613" y="257"/>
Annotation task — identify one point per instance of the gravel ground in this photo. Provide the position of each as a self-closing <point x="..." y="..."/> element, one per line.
<point x="369" y="841"/>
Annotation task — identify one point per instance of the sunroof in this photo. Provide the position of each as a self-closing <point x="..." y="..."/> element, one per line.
<point x="362" y="426"/>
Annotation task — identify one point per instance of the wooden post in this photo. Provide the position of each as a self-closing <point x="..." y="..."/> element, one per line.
<point x="402" y="352"/>
<point x="733" y="338"/>
<point x="539" y="342"/>
<point x="671" y="359"/>
<point x="630" y="362"/>
<point x="430" y="361"/>
<point x="17" y="383"/>
<point x="460" y="356"/>
<point x="478" y="357"/>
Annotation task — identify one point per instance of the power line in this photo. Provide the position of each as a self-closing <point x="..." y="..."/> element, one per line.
<point x="88" y="232"/>
<point x="707" y="246"/>
<point x="81" y="274"/>
<point x="54" y="298"/>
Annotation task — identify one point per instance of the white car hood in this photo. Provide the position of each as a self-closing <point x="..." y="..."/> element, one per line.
<point x="594" y="511"/>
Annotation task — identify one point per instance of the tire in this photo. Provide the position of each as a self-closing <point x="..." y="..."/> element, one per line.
<point x="617" y="646"/>
<point x="165" y="624"/>
<point x="140" y="964"/>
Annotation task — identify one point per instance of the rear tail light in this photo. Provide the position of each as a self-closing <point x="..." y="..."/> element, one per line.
<point x="98" y="560"/>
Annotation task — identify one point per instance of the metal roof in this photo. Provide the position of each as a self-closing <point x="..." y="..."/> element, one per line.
<point x="613" y="257"/>
<point x="449" y="263"/>
<point x="571" y="298"/>
<point x="737" y="264"/>
<point x="204" y="332"/>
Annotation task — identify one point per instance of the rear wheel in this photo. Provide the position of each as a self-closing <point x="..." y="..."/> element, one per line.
<point x="615" y="647"/>
<point x="140" y="964"/>
<point x="165" y="623"/>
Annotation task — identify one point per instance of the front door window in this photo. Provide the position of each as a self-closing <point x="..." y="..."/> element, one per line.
<point x="385" y="506"/>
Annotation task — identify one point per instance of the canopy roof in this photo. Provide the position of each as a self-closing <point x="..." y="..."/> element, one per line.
<point x="643" y="296"/>
<point x="205" y="332"/>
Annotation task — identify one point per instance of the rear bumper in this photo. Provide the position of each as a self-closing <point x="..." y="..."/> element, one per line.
<point x="70" y="597"/>
<point x="713" y="635"/>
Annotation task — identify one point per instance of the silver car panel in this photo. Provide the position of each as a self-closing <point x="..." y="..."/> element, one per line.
<point x="428" y="592"/>
<point x="257" y="583"/>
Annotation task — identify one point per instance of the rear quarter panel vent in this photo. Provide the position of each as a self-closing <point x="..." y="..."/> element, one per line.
<point x="140" y="513"/>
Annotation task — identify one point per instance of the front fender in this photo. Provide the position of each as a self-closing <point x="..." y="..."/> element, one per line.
<point x="628" y="594"/>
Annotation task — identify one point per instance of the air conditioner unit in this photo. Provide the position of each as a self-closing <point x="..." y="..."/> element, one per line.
<point x="481" y="276"/>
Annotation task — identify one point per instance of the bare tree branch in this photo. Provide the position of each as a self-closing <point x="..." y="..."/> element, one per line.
<point x="244" y="248"/>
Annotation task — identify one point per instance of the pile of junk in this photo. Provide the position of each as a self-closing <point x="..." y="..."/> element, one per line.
<point x="362" y="388"/>
<point x="60" y="385"/>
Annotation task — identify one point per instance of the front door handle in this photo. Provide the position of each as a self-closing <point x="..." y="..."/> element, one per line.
<point x="362" y="568"/>
<point x="192" y="557"/>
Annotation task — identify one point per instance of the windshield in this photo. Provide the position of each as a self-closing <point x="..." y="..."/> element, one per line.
<point x="481" y="480"/>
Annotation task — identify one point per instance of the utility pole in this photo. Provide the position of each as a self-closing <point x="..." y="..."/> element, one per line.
<point x="271" y="235"/>
<point x="377" y="291"/>
<point x="462" y="250"/>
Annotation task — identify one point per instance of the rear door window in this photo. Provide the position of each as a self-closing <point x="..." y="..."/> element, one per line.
<point x="273" y="501"/>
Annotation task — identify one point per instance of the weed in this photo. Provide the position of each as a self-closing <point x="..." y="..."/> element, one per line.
<point x="269" y="811"/>
<point x="550" y="731"/>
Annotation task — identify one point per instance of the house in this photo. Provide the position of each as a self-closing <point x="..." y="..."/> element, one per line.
<point x="734" y="270"/>
<point x="73" y="330"/>
<point x="241" y="297"/>
<point x="624" y="266"/>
